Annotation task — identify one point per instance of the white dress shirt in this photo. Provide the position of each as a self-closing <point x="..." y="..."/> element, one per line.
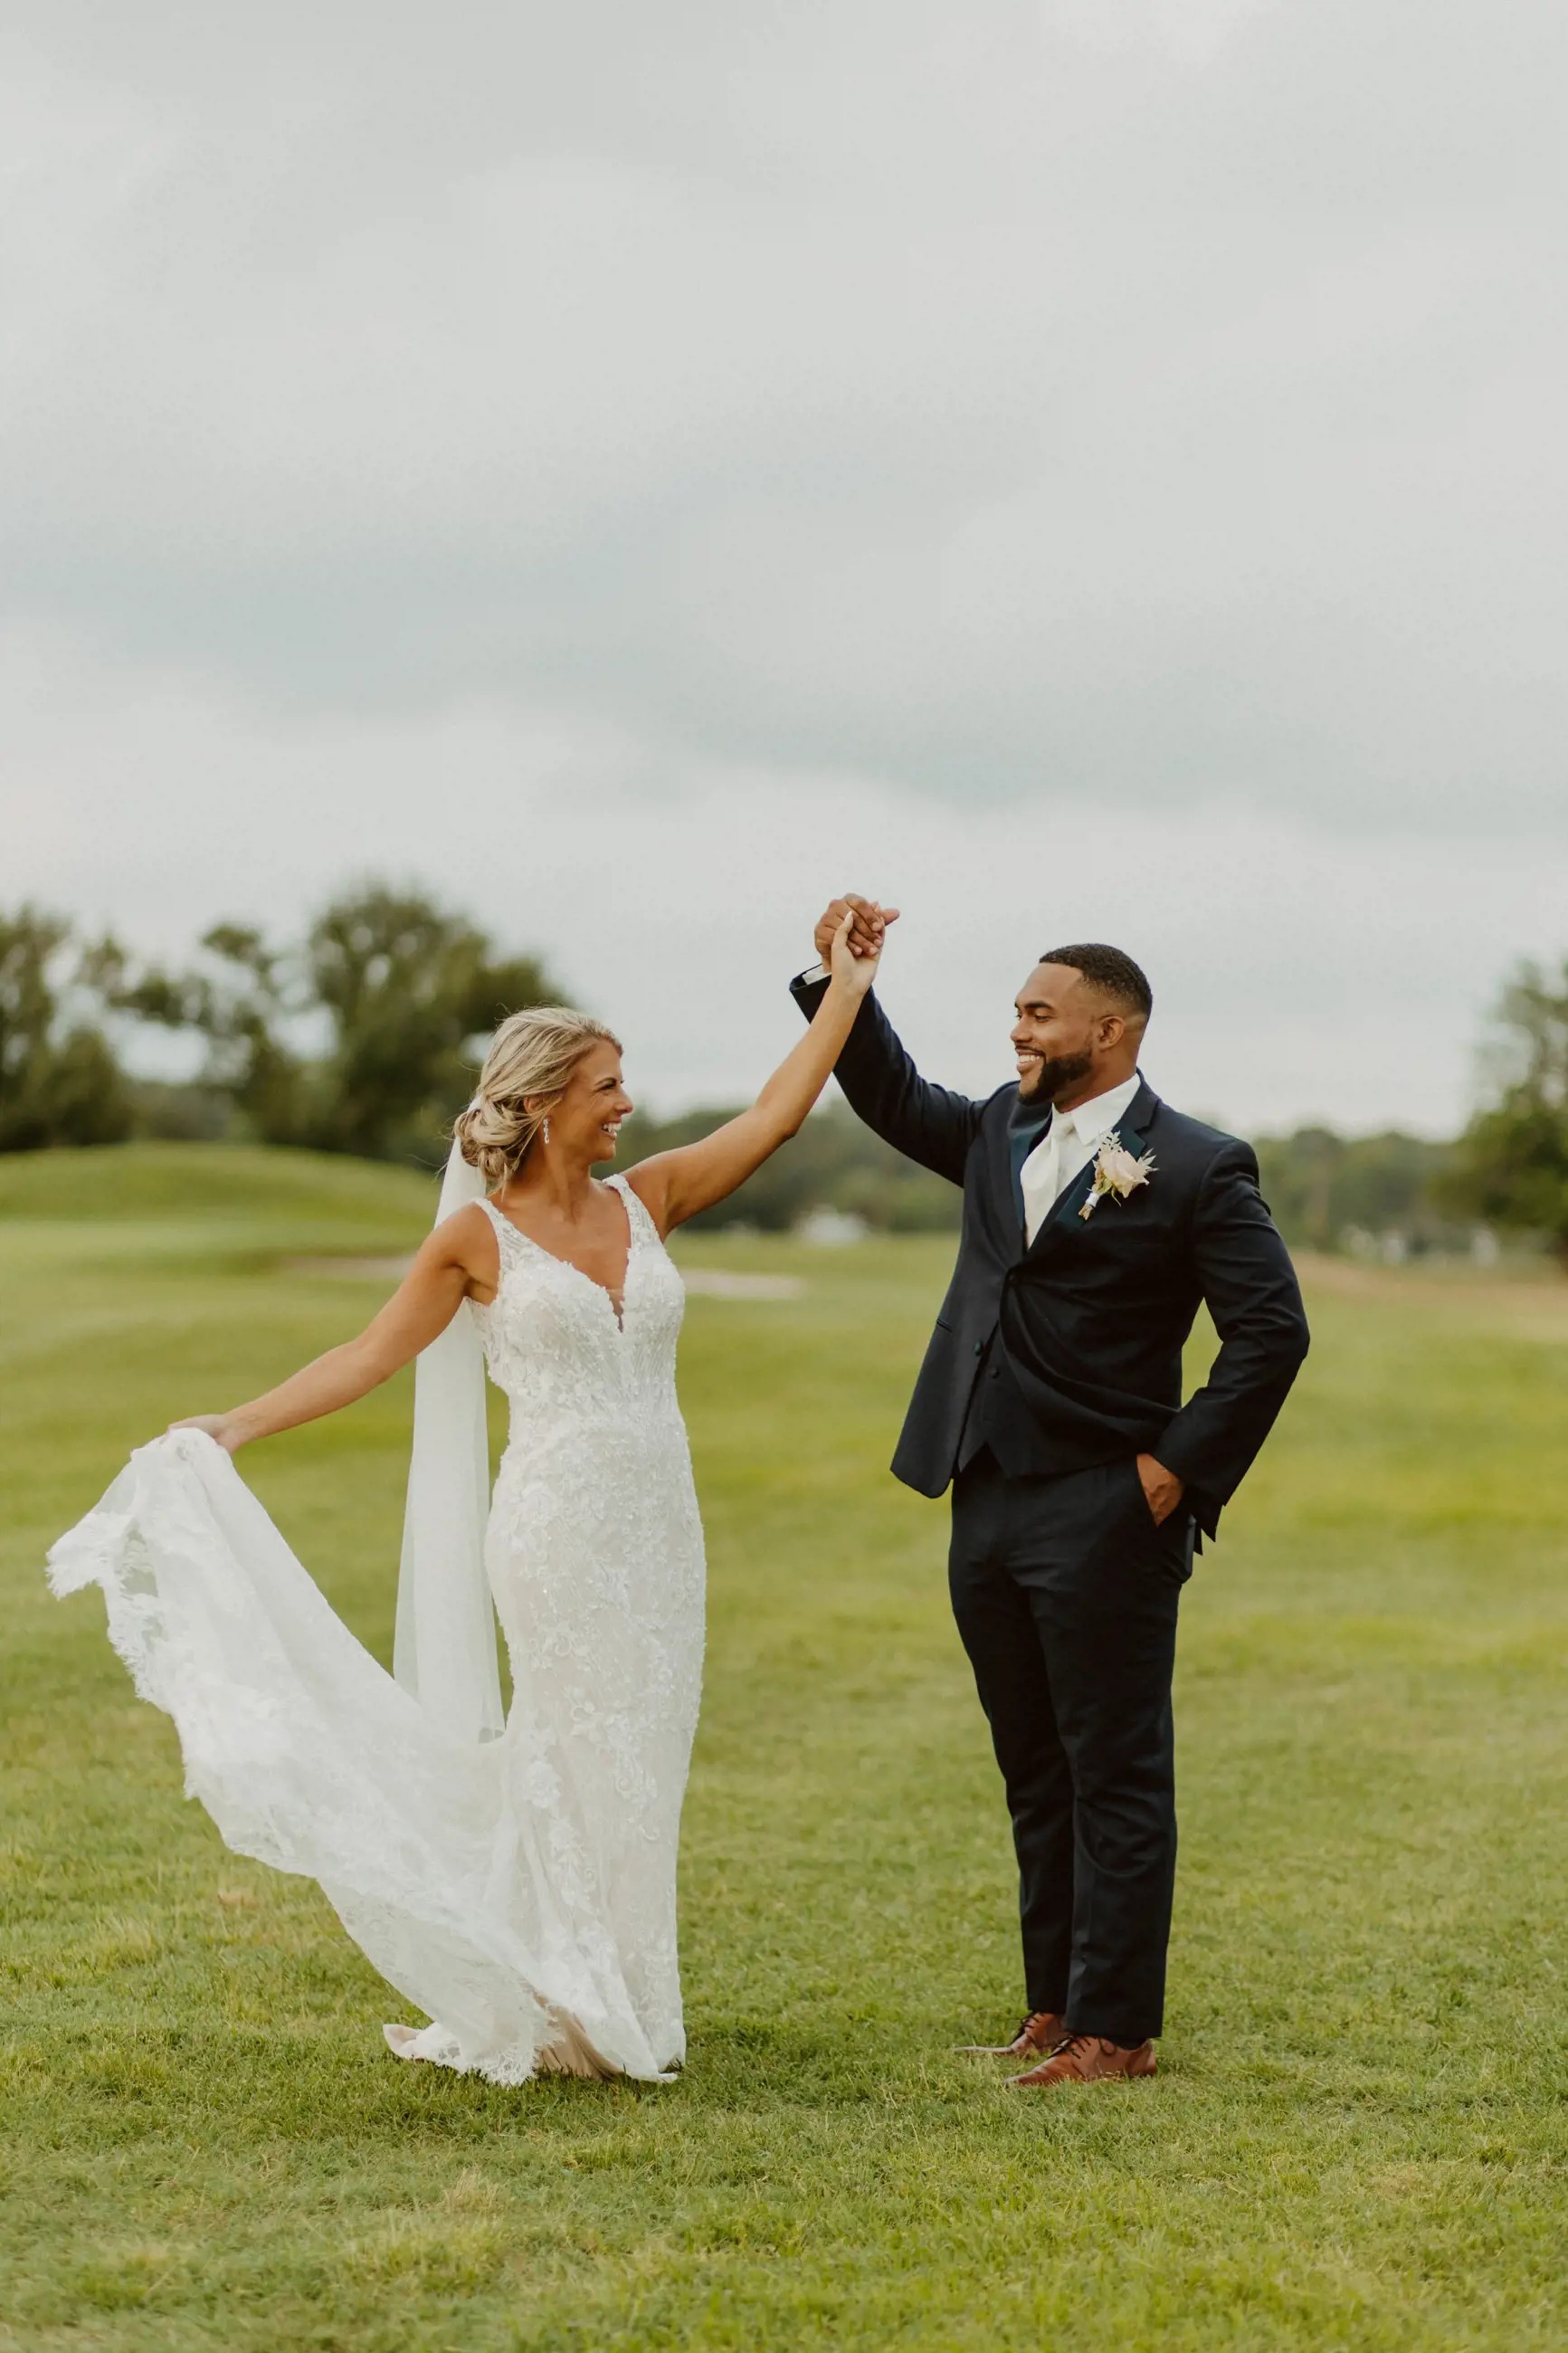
<point x="1067" y="1147"/>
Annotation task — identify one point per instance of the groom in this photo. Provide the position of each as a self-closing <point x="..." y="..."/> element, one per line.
<point x="1095" y="1219"/>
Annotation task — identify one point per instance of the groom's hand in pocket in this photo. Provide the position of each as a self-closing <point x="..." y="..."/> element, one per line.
<point x="1163" y="1491"/>
<point x="871" y="920"/>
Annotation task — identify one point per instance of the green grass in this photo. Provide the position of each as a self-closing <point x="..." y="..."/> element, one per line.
<point x="1357" y="2138"/>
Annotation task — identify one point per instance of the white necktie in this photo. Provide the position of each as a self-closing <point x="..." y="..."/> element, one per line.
<point x="1042" y="1172"/>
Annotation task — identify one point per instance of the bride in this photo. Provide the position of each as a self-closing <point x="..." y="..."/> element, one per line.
<point x="517" y="1883"/>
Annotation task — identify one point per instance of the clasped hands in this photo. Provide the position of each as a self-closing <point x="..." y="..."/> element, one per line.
<point x="868" y="921"/>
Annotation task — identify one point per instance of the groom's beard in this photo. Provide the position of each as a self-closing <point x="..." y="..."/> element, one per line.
<point x="1053" y="1074"/>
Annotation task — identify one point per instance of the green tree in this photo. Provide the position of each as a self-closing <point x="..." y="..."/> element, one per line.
<point x="240" y="1000"/>
<point x="1511" y="1166"/>
<point x="396" y="990"/>
<point x="58" y="1079"/>
<point x="405" y="987"/>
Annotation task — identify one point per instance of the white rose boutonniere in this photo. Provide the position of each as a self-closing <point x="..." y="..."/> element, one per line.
<point x="1116" y="1172"/>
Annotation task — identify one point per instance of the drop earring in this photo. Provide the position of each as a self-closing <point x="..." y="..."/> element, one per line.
<point x="547" y="1131"/>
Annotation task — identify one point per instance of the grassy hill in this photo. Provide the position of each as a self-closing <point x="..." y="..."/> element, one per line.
<point x="125" y="1183"/>
<point x="1357" y="2138"/>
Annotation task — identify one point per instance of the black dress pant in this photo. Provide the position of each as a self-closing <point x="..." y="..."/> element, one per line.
<point x="1066" y="1594"/>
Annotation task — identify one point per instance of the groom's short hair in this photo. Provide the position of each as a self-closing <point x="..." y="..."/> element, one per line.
<point x="1115" y="975"/>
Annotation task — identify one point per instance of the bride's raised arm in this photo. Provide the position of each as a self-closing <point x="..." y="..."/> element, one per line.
<point x="420" y="1309"/>
<point x="673" y="1186"/>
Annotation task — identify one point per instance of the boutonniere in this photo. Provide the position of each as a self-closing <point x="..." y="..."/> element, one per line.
<point x="1116" y="1172"/>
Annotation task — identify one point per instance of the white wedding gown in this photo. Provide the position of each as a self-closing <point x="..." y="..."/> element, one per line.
<point x="519" y="1891"/>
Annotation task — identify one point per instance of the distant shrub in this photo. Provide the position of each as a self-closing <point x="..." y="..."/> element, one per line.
<point x="174" y="1111"/>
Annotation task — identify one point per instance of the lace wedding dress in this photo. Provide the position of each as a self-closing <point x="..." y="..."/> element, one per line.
<point x="520" y="1891"/>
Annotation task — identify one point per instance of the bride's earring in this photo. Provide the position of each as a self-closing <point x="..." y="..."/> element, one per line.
<point x="547" y="1131"/>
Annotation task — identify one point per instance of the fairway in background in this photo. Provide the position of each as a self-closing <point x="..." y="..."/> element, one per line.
<point x="1357" y="2137"/>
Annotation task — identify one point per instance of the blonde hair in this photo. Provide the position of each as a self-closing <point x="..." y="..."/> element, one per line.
<point x="532" y="1053"/>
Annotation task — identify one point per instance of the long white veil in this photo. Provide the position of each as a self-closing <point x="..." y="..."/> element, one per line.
<point x="445" y="1648"/>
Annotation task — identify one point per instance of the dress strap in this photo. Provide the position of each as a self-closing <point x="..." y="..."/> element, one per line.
<point x="507" y="1235"/>
<point x="639" y="1218"/>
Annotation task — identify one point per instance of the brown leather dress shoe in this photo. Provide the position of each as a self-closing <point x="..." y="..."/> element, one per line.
<point x="1088" y="2059"/>
<point x="1040" y="2034"/>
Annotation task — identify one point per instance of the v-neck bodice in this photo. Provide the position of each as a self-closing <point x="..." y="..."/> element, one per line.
<point x="554" y="1343"/>
<point x="614" y="1293"/>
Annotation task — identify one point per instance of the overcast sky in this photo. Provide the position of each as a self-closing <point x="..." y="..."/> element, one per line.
<point x="1093" y="468"/>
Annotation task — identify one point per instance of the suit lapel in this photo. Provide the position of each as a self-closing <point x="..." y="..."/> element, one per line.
<point x="1139" y="1110"/>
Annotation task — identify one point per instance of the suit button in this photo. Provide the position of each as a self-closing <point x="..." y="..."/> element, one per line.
<point x="980" y="1347"/>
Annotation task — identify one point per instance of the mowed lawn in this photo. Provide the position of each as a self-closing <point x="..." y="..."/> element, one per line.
<point x="1357" y="2136"/>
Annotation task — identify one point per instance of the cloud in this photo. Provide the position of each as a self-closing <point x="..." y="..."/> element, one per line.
<point x="1076" y="467"/>
<point x="1295" y="975"/>
<point x="1011" y="407"/>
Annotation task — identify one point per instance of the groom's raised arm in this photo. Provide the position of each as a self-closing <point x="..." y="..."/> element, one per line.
<point x="929" y="1123"/>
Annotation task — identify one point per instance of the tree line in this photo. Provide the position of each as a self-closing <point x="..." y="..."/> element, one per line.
<point x="362" y="1034"/>
<point x="356" y="1037"/>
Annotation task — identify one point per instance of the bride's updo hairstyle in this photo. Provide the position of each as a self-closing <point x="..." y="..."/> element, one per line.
<point x="531" y="1054"/>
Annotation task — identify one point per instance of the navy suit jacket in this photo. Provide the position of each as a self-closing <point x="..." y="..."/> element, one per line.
<point x="1066" y="1351"/>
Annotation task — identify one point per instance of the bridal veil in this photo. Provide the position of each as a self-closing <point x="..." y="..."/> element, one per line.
<point x="445" y="1650"/>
